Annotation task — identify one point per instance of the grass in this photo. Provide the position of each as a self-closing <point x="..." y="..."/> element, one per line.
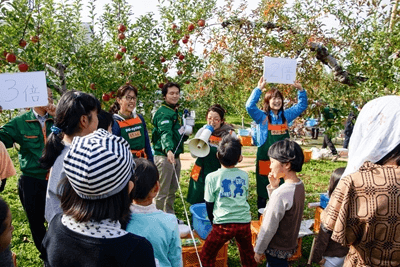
<point x="315" y="175"/>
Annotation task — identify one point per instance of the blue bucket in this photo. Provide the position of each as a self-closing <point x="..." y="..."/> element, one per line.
<point x="201" y="223"/>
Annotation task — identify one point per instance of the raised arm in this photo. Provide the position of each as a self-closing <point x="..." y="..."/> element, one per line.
<point x="251" y="105"/>
<point x="295" y="111"/>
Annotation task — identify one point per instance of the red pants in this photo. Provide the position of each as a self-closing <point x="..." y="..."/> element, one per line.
<point x="220" y="234"/>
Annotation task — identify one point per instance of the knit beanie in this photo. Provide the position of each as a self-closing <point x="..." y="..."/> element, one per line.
<point x="99" y="165"/>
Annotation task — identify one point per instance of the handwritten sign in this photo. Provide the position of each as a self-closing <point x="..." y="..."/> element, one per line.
<point x="279" y="70"/>
<point x="23" y="90"/>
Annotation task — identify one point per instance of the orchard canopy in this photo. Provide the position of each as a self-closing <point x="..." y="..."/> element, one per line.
<point x="347" y="50"/>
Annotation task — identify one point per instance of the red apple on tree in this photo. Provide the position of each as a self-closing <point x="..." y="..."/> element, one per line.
<point x="165" y="70"/>
<point x="121" y="28"/>
<point x="161" y="85"/>
<point x="22" y="43"/>
<point x="93" y="86"/>
<point x="121" y="36"/>
<point x="34" y="39"/>
<point x="122" y="49"/>
<point x="23" y="67"/>
<point x="201" y="23"/>
<point x="162" y="59"/>
<point x="178" y="54"/>
<point x="187" y="82"/>
<point x="105" y="97"/>
<point x="118" y="56"/>
<point x="175" y="41"/>
<point x="185" y="41"/>
<point x="191" y="27"/>
<point x="11" y="58"/>
<point x="179" y="72"/>
<point x="181" y="57"/>
<point x="173" y="26"/>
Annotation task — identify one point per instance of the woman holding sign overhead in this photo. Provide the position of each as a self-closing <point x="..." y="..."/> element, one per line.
<point x="272" y="125"/>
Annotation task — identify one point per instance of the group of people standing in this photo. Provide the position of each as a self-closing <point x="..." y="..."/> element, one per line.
<point x="108" y="195"/>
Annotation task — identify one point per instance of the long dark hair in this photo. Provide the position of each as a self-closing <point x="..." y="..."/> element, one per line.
<point x="122" y="91"/>
<point x="70" y="108"/>
<point x="334" y="180"/>
<point x="268" y="96"/>
<point x="115" y="207"/>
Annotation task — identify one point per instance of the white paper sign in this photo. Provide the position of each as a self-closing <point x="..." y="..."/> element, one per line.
<point x="23" y="90"/>
<point x="279" y="70"/>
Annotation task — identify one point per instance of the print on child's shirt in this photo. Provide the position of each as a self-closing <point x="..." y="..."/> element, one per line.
<point x="226" y="190"/>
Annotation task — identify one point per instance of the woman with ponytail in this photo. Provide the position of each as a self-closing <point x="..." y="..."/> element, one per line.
<point x="216" y="118"/>
<point x="76" y="115"/>
<point x="130" y="125"/>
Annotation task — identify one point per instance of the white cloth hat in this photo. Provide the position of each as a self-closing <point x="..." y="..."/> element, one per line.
<point x="99" y="165"/>
<point x="376" y="132"/>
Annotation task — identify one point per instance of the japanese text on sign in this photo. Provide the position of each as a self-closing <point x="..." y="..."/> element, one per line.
<point x="279" y="70"/>
<point x="23" y="90"/>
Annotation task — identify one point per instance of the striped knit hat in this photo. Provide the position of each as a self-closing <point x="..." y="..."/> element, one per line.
<point x="99" y="165"/>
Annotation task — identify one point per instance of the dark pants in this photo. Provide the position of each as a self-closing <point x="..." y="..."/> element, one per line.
<point x="32" y="193"/>
<point x="3" y="185"/>
<point x="347" y="133"/>
<point x="314" y="132"/>
<point x="328" y="142"/>
<point x="273" y="261"/>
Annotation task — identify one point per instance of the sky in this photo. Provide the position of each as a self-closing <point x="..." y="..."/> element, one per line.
<point x="143" y="7"/>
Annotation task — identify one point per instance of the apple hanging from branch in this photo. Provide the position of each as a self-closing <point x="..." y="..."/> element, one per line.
<point x="23" y="67"/>
<point x="121" y="28"/>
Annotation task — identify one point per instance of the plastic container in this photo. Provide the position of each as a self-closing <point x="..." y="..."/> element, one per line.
<point x="244" y="132"/>
<point x="324" y="199"/>
<point x="201" y="223"/>
<point x="307" y="155"/>
<point x="245" y="140"/>
<point x="184" y="230"/>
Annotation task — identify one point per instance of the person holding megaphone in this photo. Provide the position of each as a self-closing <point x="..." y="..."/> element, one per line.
<point x="207" y="162"/>
<point x="272" y="126"/>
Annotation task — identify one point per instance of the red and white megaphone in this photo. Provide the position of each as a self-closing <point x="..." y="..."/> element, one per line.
<point x="198" y="146"/>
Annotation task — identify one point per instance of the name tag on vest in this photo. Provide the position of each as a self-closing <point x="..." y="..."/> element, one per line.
<point x="133" y="135"/>
<point x="278" y="132"/>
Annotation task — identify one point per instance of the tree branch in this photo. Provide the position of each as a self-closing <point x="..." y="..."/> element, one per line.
<point x="341" y="75"/>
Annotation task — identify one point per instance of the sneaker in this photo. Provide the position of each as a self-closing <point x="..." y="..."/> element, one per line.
<point x="335" y="158"/>
<point x="180" y="221"/>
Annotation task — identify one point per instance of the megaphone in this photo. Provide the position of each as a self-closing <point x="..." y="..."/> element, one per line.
<point x="198" y="146"/>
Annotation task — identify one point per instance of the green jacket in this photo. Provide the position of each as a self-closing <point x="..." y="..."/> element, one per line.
<point x="26" y="131"/>
<point x="167" y="121"/>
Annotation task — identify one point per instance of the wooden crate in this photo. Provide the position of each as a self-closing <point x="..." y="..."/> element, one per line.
<point x="190" y="258"/>
<point x="317" y="219"/>
<point x="255" y="229"/>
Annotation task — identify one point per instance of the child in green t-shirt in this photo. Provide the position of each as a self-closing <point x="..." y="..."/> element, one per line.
<point x="226" y="193"/>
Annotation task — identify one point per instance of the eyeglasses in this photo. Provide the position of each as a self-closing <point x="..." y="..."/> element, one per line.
<point x="129" y="98"/>
<point x="214" y="120"/>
